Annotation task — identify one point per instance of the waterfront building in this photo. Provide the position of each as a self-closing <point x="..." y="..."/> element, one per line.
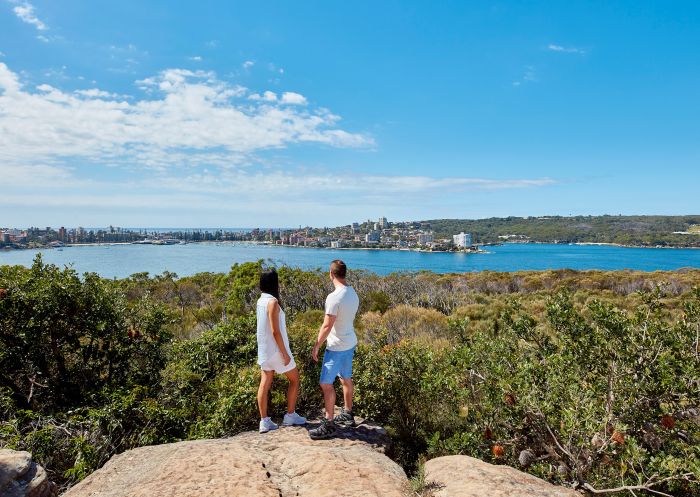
<point x="337" y="244"/>
<point x="463" y="240"/>
<point x="425" y="238"/>
<point x="372" y="236"/>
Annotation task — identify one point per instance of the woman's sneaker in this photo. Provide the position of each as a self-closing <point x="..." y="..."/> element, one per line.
<point x="345" y="418"/>
<point x="266" y="424"/>
<point x="325" y="430"/>
<point x="293" y="419"/>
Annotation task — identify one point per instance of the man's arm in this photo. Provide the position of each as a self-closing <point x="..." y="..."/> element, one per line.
<point x="273" y="314"/>
<point x="326" y="327"/>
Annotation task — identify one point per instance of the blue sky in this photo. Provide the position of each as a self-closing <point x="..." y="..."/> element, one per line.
<point x="213" y="113"/>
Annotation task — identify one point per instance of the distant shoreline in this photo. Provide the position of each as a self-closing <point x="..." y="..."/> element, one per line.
<point x="391" y="249"/>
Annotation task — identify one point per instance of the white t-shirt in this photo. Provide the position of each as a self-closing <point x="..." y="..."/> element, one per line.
<point x="343" y="304"/>
<point x="267" y="346"/>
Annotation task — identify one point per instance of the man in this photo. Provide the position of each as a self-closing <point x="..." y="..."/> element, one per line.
<point x="338" y="332"/>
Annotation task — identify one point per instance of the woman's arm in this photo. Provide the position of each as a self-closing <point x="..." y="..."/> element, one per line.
<point x="273" y="314"/>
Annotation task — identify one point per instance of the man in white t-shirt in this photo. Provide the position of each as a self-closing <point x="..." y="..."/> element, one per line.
<point x="338" y="332"/>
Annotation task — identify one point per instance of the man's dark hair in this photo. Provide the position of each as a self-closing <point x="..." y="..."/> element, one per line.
<point x="339" y="269"/>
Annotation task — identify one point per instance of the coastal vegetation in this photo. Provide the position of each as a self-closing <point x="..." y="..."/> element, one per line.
<point x="641" y="231"/>
<point x="588" y="379"/>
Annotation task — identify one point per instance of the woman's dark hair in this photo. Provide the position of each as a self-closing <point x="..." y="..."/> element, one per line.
<point x="269" y="283"/>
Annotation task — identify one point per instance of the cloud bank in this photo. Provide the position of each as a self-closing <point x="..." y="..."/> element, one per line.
<point x="186" y="116"/>
<point x="188" y="141"/>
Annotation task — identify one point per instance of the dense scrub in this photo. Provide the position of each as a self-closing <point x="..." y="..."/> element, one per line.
<point x="588" y="379"/>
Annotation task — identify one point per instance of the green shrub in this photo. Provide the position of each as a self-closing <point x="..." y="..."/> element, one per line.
<point x="596" y="382"/>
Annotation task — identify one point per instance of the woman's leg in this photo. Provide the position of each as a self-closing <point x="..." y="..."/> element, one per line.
<point x="266" y="378"/>
<point x="292" y="389"/>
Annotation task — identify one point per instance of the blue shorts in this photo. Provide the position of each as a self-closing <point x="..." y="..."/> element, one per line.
<point x="336" y="364"/>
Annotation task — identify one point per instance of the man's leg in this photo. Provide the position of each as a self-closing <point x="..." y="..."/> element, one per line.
<point x="346" y="417"/>
<point x="348" y="391"/>
<point x="328" y="399"/>
<point x="266" y="378"/>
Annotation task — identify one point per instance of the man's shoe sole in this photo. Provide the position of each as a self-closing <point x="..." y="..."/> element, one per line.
<point x="345" y="424"/>
<point x="294" y="424"/>
<point x="322" y="437"/>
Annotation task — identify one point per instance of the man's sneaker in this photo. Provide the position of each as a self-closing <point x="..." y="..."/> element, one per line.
<point x="266" y="424"/>
<point x="325" y="430"/>
<point x="345" y="418"/>
<point x="293" y="419"/>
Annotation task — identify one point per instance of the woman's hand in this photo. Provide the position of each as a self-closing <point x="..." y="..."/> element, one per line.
<point x="285" y="357"/>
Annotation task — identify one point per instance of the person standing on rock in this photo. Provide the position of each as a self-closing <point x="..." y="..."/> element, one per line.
<point x="338" y="332"/>
<point x="274" y="355"/>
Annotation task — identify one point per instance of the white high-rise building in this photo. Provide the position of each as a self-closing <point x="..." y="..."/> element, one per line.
<point x="382" y="223"/>
<point x="372" y="236"/>
<point x="425" y="238"/>
<point x="463" y="240"/>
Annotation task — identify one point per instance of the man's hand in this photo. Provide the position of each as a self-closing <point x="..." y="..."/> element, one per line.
<point x="285" y="357"/>
<point x="326" y="327"/>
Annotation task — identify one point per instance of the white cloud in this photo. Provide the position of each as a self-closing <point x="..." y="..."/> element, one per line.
<point x="248" y="64"/>
<point x="233" y="187"/>
<point x="94" y="93"/>
<point x="289" y="97"/>
<point x="191" y="117"/>
<point x="354" y="186"/>
<point x="530" y="76"/>
<point x="25" y="11"/>
<point x="195" y="58"/>
<point x="36" y="175"/>
<point x="559" y="48"/>
<point x="268" y="96"/>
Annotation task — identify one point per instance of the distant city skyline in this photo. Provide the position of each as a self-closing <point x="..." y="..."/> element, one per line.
<point x="276" y="114"/>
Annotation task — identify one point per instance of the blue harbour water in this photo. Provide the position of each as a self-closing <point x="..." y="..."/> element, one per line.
<point x="123" y="260"/>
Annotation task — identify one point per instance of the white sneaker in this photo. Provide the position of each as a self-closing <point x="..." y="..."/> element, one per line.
<point x="266" y="424"/>
<point x="293" y="419"/>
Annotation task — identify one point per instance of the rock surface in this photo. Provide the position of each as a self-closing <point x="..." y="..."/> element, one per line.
<point x="286" y="463"/>
<point x="463" y="476"/>
<point x="21" y="477"/>
<point x="280" y="463"/>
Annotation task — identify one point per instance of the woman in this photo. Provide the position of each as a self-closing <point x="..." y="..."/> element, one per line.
<point x="274" y="355"/>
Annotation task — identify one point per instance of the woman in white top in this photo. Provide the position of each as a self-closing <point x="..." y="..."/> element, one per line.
<point x="274" y="355"/>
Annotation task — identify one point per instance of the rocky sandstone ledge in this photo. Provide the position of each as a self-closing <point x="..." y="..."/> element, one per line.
<point x="286" y="463"/>
<point x="21" y="477"/>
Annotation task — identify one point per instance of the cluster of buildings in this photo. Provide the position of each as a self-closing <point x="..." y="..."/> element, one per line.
<point x="50" y="237"/>
<point x="368" y="234"/>
<point x="9" y="236"/>
<point x="371" y="234"/>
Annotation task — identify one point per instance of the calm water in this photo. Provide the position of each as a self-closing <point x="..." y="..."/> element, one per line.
<point x="123" y="260"/>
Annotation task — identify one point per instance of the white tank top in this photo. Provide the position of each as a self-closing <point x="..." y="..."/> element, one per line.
<point x="267" y="346"/>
